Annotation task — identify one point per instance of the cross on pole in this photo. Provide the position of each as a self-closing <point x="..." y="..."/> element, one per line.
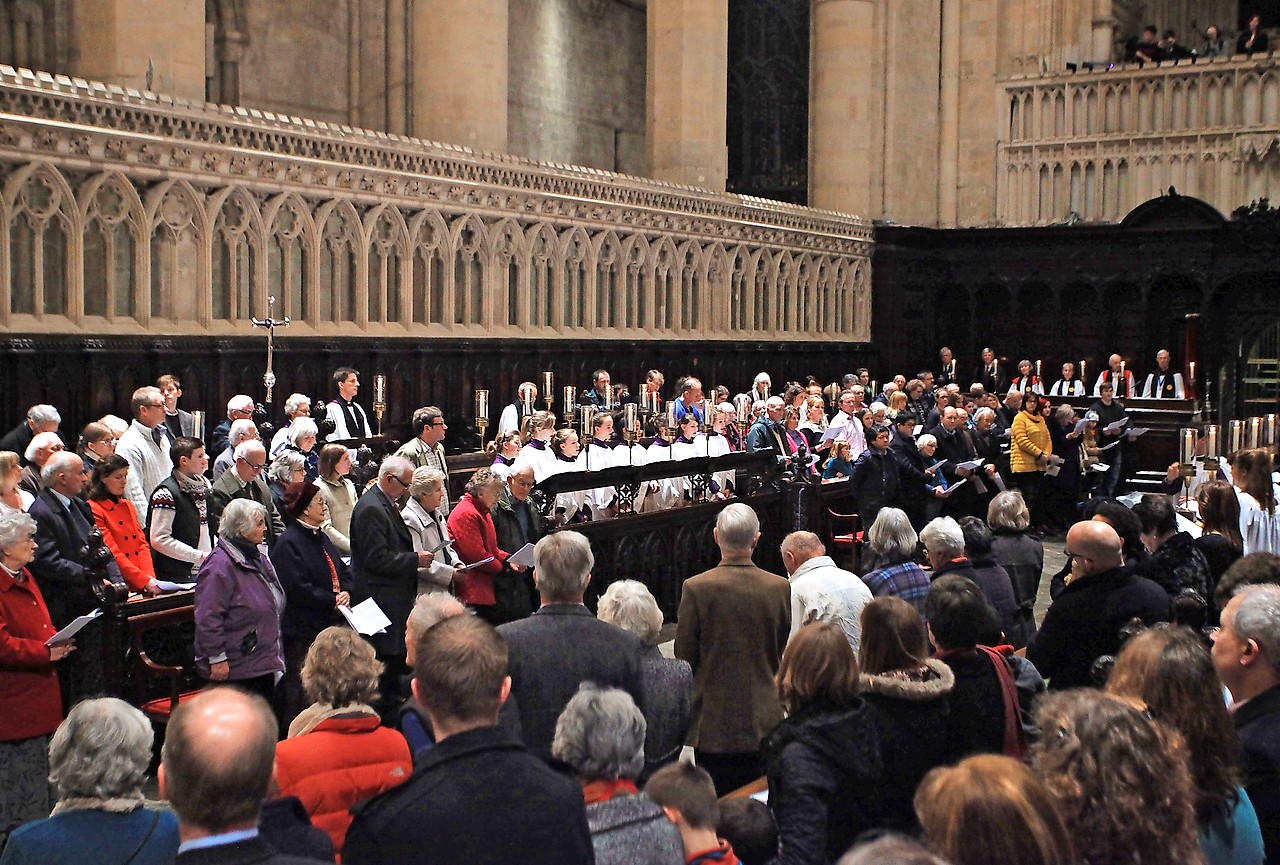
<point x="270" y="323"/>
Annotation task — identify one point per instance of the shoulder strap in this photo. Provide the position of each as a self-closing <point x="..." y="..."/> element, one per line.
<point x="1013" y="744"/>
<point x="155" y="821"/>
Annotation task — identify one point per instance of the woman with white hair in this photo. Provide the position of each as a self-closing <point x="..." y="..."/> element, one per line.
<point x="288" y="468"/>
<point x="302" y="441"/>
<point x="43" y="445"/>
<point x="600" y="735"/>
<point x="238" y="604"/>
<point x="427" y="528"/>
<point x="666" y="683"/>
<point x="98" y="760"/>
<point x="1018" y="550"/>
<point x="298" y="405"/>
<point x="30" y="701"/>
<point x="893" y="541"/>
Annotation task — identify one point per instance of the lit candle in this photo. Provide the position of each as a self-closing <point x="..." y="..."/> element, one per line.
<point x="197" y="424"/>
<point x="1187" y="446"/>
<point x="629" y="420"/>
<point x="743" y="404"/>
<point x="1255" y="432"/>
<point x="380" y="388"/>
<point x="570" y="396"/>
<point x="586" y="420"/>
<point x="527" y="396"/>
<point x="482" y="405"/>
<point x="1037" y="370"/>
<point x="548" y="383"/>
<point x="1211" y="442"/>
<point x="1235" y="437"/>
<point x="671" y="415"/>
<point x="1269" y="431"/>
<point x="1082" y="372"/>
<point x="1192" y="376"/>
<point x="874" y="391"/>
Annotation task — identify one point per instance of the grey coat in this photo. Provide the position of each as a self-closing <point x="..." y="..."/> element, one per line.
<point x="633" y="830"/>
<point x="668" y="707"/>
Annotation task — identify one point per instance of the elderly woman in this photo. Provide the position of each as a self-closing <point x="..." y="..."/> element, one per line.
<point x="289" y="467"/>
<point x="298" y="405"/>
<point x="30" y="701"/>
<point x="115" y="517"/>
<point x="43" y="445"/>
<point x="238" y="605"/>
<point x="667" y="683"/>
<point x="892" y="542"/>
<point x="315" y="583"/>
<point x="302" y="441"/>
<point x="476" y="543"/>
<point x="98" y="761"/>
<point x="97" y="442"/>
<point x="517" y="522"/>
<point x="428" y="529"/>
<point x="13" y="498"/>
<point x="340" y="494"/>
<point x="600" y="735"/>
<point x="337" y="753"/>
<point x="1018" y="550"/>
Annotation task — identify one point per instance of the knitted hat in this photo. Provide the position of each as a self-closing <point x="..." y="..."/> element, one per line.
<point x="297" y="498"/>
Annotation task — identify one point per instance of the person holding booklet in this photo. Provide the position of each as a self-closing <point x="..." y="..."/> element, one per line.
<point x="475" y="541"/>
<point x="1112" y="416"/>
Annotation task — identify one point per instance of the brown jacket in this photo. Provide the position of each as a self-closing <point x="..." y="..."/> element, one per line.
<point x="734" y="622"/>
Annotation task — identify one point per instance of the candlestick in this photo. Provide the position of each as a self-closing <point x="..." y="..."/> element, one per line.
<point x="197" y="424"/>
<point x="629" y="421"/>
<point x="742" y="403"/>
<point x="1192" y="376"/>
<point x="482" y="404"/>
<point x="528" y="394"/>
<point x="1211" y="441"/>
<point x="1269" y="431"/>
<point x="586" y="422"/>
<point x="874" y="391"/>
<point x="548" y="384"/>
<point x="570" y="396"/>
<point x="1082" y="372"/>
<point x="1037" y="370"/>
<point x="1254" y="437"/>
<point x="1186" y="446"/>
<point x="1235" y="437"/>
<point x="671" y="415"/>
<point x="379" y="398"/>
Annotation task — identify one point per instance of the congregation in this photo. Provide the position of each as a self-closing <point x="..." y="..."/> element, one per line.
<point x="906" y="708"/>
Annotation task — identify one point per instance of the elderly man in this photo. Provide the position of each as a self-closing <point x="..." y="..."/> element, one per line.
<point x="426" y="450"/>
<point x="145" y="444"/>
<point x="563" y="645"/>
<point x="244" y="481"/>
<point x="990" y="374"/>
<point x="177" y="422"/>
<point x="41" y="447"/>
<point x="947" y="373"/>
<point x="1118" y="376"/>
<point x="514" y="413"/>
<point x="1164" y="383"/>
<point x="476" y="797"/>
<point x="766" y="433"/>
<point x="349" y="419"/>
<point x="1246" y="654"/>
<point x="241" y="431"/>
<point x="734" y="622"/>
<point x="40" y="418"/>
<point x="820" y="591"/>
<point x="515" y="519"/>
<point x="177" y="523"/>
<point x="385" y="566"/>
<point x="1084" y="621"/>
<point x="239" y="407"/>
<point x="296" y="406"/>
<point x="216" y="769"/>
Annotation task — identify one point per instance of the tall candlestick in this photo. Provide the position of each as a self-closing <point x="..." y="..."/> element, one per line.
<point x="570" y="396"/>
<point x="1082" y="372"/>
<point x="629" y="421"/>
<point x="197" y="424"/>
<point x="1269" y="431"/>
<point x="1255" y="432"/>
<point x="671" y="415"/>
<point x="586" y="420"/>
<point x="1235" y="437"/>
<point x="482" y="404"/>
<point x="874" y="391"/>
<point x="1037" y="370"/>
<point x="1187" y="446"/>
<point x="1211" y="441"/>
<point x="548" y="383"/>
<point x="380" y="388"/>
<point x="527" y="397"/>
<point x="742" y="403"/>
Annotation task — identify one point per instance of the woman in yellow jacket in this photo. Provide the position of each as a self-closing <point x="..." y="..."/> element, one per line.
<point x="1029" y="454"/>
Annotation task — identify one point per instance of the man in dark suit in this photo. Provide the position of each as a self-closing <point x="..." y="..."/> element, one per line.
<point x="63" y="523"/>
<point x="990" y="374"/>
<point x="385" y="567"/>
<point x="244" y="481"/>
<point x="40" y="418"/>
<point x="734" y="624"/>
<point x="563" y="645"/>
<point x="216" y="765"/>
<point x="476" y="797"/>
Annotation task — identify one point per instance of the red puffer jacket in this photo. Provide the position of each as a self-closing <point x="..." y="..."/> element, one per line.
<point x="346" y="759"/>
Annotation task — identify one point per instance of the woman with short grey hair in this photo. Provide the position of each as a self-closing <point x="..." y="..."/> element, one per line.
<point x="301" y="440"/>
<point x="894" y="542"/>
<point x="601" y="735"/>
<point x="1018" y="550"/>
<point x="288" y="467"/>
<point x="98" y="760"/>
<point x="238" y="604"/>
<point x="666" y="683"/>
<point x="427" y="528"/>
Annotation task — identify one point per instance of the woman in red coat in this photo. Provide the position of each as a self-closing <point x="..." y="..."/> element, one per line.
<point x="116" y="518"/>
<point x="30" y="702"/>
<point x="474" y="540"/>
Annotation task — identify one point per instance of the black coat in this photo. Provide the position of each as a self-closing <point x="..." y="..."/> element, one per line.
<point x="384" y="565"/>
<point x="824" y="766"/>
<point x="874" y="483"/>
<point x="1258" y="725"/>
<point x="1084" y="623"/>
<point x="253" y="851"/>
<point x="299" y="560"/>
<point x="477" y="798"/>
<point x="64" y="582"/>
<point x="996" y="586"/>
<point x="911" y="476"/>
<point x="554" y="651"/>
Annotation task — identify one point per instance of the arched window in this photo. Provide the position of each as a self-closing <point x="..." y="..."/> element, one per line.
<point x="337" y="299"/>
<point x="39" y="243"/>
<point x="111" y="249"/>
<point x="386" y="266"/>
<point x="176" y="235"/>
<point x="288" y="260"/>
<point x="235" y="256"/>
<point x="430" y="240"/>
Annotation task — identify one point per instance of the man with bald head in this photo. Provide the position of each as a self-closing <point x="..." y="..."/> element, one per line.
<point x="1164" y="383"/>
<point x="820" y="591"/>
<point x="1084" y="621"/>
<point x="215" y="770"/>
<point x="1118" y="376"/>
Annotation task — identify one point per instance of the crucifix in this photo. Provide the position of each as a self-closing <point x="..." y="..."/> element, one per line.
<point x="270" y="323"/>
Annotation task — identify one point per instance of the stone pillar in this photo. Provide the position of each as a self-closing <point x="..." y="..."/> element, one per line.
<point x="1104" y="27"/>
<point x="460" y="72"/>
<point x="130" y="36"/>
<point x="841" y="95"/>
<point x="687" y="91"/>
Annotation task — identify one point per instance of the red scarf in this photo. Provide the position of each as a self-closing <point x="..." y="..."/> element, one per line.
<point x="1013" y="744"/>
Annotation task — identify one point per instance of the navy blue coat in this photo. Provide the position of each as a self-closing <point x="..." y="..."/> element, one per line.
<point x="304" y="574"/>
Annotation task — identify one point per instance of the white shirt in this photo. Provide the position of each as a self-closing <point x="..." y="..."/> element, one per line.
<point x="822" y="592"/>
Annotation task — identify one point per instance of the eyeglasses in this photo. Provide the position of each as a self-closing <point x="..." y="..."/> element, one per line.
<point x="397" y="479"/>
<point x="437" y="423"/>
<point x="257" y="467"/>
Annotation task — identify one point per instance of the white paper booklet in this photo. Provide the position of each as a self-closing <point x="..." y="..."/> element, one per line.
<point x="366" y="617"/>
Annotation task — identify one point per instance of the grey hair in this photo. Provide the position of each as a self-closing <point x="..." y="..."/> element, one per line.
<point x="394" y="465"/>
<point x="1008" y="510"/>
<point x="300" y="428"/>
<point x="926" y="439"/>
<point x="62" y="461"/>
<point x="631" y="606"/>
<point x="284" y="465"/>
<point x="762" y="376"/>
<point x="804" y="542"/>
<point x="943" y="535"/>
<point x="1257" y="618"/>
<point x="239" y="402"/>
<point x="294" y="401"/>
<point x="482" y="480"/>
<point x="736" y="528"/>
<point x="984" y="411"/>
<point x="430" y="609"/>
<point x="239" y="517"/>
<point x="891" y="536"/>
<point x="1064" y="412"/>
<point x="248" y="446"/>
<point x="40" y="441"/>
<point x="16" y="526"/>
<point x="101" y="751"/>
<point x="115" y="423"/>
<point x="239" y="430"/>
<point x="43" y="413"/>
<point x="600" y="734"/>
<point x="562" y="564"/>
<point x="425" y="480"/>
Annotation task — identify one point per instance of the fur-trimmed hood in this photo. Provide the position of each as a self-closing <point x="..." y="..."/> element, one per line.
<point x="936" y="681"/>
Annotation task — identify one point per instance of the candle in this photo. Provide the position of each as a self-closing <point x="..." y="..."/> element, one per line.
<point x="586" y="421"/>
<point x="874" y="391"/>
<point x="1255" y="432"/>
<point x="1187" y="446"/>
<point x="1192" y="376"/>
<point x="380" y="388"/>
<point x="548" y="383"/>
<point x="1211" y="446"/>
<point x="1235" y="437"/>
<point x="197" y="424"/>
<point x="671" y="415"/>
<point x="527" y="396"/>
<point x="629" y="420"/>
<point x="482" y="405"/>
<point x="1082" y="373"/>
<point x="1269" y="430"/>
<point x="1122" y="382"/>
<point x="743" y="404"/>
<point x="1037" y="370"/>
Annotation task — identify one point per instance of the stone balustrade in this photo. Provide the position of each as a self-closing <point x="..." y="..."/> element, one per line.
<point x="1093" y="145"/>
<point x="136" y="213"/>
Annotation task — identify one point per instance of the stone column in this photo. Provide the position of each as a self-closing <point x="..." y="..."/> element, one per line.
<point x="687" y="91"/>
<point x="460" y="72"/>
<point x="132" y="36"/>
<point x="841" y="95"/>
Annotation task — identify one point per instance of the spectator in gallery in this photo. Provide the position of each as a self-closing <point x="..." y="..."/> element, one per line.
<point x="1254" y="40"/>
<point x="1148" y="48"/>
<point x="1214" y="44"/>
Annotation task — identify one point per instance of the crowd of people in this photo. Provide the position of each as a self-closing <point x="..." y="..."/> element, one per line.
<point x="1154" y="46"/>
<point x="495" y="718"/>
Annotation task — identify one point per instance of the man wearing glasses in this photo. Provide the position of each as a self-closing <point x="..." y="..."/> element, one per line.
<point x="385" y="568"/>
<point x="244" y="481"/>
<point x="426" y="450"/>
<point x="146" y="447"/>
